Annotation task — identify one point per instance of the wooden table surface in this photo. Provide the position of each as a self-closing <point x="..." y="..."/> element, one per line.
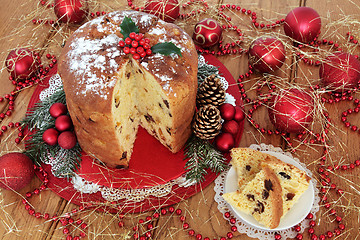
<point x="338" y="18"/>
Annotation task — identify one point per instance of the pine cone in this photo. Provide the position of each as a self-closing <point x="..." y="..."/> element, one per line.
<point x="207" y="123"/>
<point x="210" y="92"/>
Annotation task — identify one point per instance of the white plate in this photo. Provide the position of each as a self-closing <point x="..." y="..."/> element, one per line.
<point x="294" y="216"/>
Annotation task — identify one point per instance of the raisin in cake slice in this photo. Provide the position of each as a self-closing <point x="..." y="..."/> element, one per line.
<point x="261" y="198"/>
<point x="247" y="163"/>
<point x="294" y="182"/>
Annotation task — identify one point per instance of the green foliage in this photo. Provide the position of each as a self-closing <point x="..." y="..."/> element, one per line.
<point x="166" y="48"/>
<point x="201" y="155"/>
<point x="206" y="70"/>
<point x="128" y="26"/>
<point x="37" y="120"/>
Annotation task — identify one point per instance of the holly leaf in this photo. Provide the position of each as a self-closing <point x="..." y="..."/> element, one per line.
<point x="128" y="26"/>
<point x="166" y="48"/>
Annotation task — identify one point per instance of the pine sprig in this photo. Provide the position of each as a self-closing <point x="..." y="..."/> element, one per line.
<point x="38" y="119"/>
<point x="201" y="155"/>
<point x="38" y="116"/>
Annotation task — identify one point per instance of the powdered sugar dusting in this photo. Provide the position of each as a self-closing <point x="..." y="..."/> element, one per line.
<point x="85" y="63"/>
<point x="94" y="59"/>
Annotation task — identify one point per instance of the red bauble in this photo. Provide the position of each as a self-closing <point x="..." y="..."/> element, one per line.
<point x="231" y="127"/>
<point x="227" y="111"/>
<point x="302" y="24"/>
<point x="224" y="142"/>
<point x="239" y="114"/>
<point x="57" y="109"/>
<point x="71" y="11"/>
<point x="266" y="54"/>
<point x="67" y="140"/>
<point x="50" y="136"/>
<point x="63" y="123"/>
<point x="16" y="171"/>
<point x="207" y="33"/>
<point x="340" y="72"/>
<point x="167" y="10"/>
<point x="291" y="110"/>
<point x="21" y="63"/>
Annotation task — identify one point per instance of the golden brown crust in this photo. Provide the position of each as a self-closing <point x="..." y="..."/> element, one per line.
<point x="89" y="65"/>
<point x="275" y="197"/>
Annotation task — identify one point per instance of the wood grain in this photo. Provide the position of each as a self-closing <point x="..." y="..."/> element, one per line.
<point x="338" y="17"/>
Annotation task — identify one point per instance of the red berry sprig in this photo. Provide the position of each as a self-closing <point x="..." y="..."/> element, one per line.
<point x="136" y="45"/>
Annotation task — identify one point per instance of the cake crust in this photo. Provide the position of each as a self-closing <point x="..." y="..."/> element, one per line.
<point x="89" y="66"/>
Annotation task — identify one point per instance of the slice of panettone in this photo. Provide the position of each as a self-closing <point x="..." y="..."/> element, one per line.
<point x="261" y="197"/>
<point x="247" y="163"/>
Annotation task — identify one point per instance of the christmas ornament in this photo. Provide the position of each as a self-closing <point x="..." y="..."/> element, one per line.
<point x="71" y="11"/>
<point x="167" y="10"/>
<point x="57" y="109"/>
<point x="230" y="127"/>
<point x="227" y="111"/>
<point x="21" y="63"/>
<point x="207" y="123"/>
<point x="239" y="114"/>
<point x="50" y="136"/>
<point x="16" y="171"/>
<point x="266" y="54"/>
<point x="224" y="142"/>
<point x="207" y="33"/>
<point x="340" y="72"/>
<point x="291" y="110"/>
<point x="67" y="140"/>
<point x="210" y="92"/>
<point x="63" y="123"/>
<point x="302" y="24"/>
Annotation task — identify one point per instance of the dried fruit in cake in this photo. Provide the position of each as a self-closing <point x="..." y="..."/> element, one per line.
<point x="110" y="93"/>
<point x="261" y="198"/>
<point x="248" y="163"/>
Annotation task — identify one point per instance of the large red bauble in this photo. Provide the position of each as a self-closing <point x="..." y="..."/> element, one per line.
<point x="340" y="72"/>
<point x="63" y="123"/>
<point x="21" y="63"/>
<point x="71" y="11"/>
<point x="207" y="32"/>
<point x="67" y="140"/>
<point x="266" y="54"/>
<point x="231" y="127"/>
<point x="50" y="136"/>
<point x="224" y="142"/>
<point x="291" y="110"/>
<point x="16" y="171"/>
<point x="302" y="24"/>
<point x="227" y="111"/>
<point x="57" y="109"/>
<point x="239" y="114"/>
<point x="167" y="10"/>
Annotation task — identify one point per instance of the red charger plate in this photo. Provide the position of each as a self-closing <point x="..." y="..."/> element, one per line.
<point x="151" y="164"/>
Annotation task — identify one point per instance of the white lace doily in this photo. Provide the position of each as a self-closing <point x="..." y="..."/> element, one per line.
<point x="251" y="231"/>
